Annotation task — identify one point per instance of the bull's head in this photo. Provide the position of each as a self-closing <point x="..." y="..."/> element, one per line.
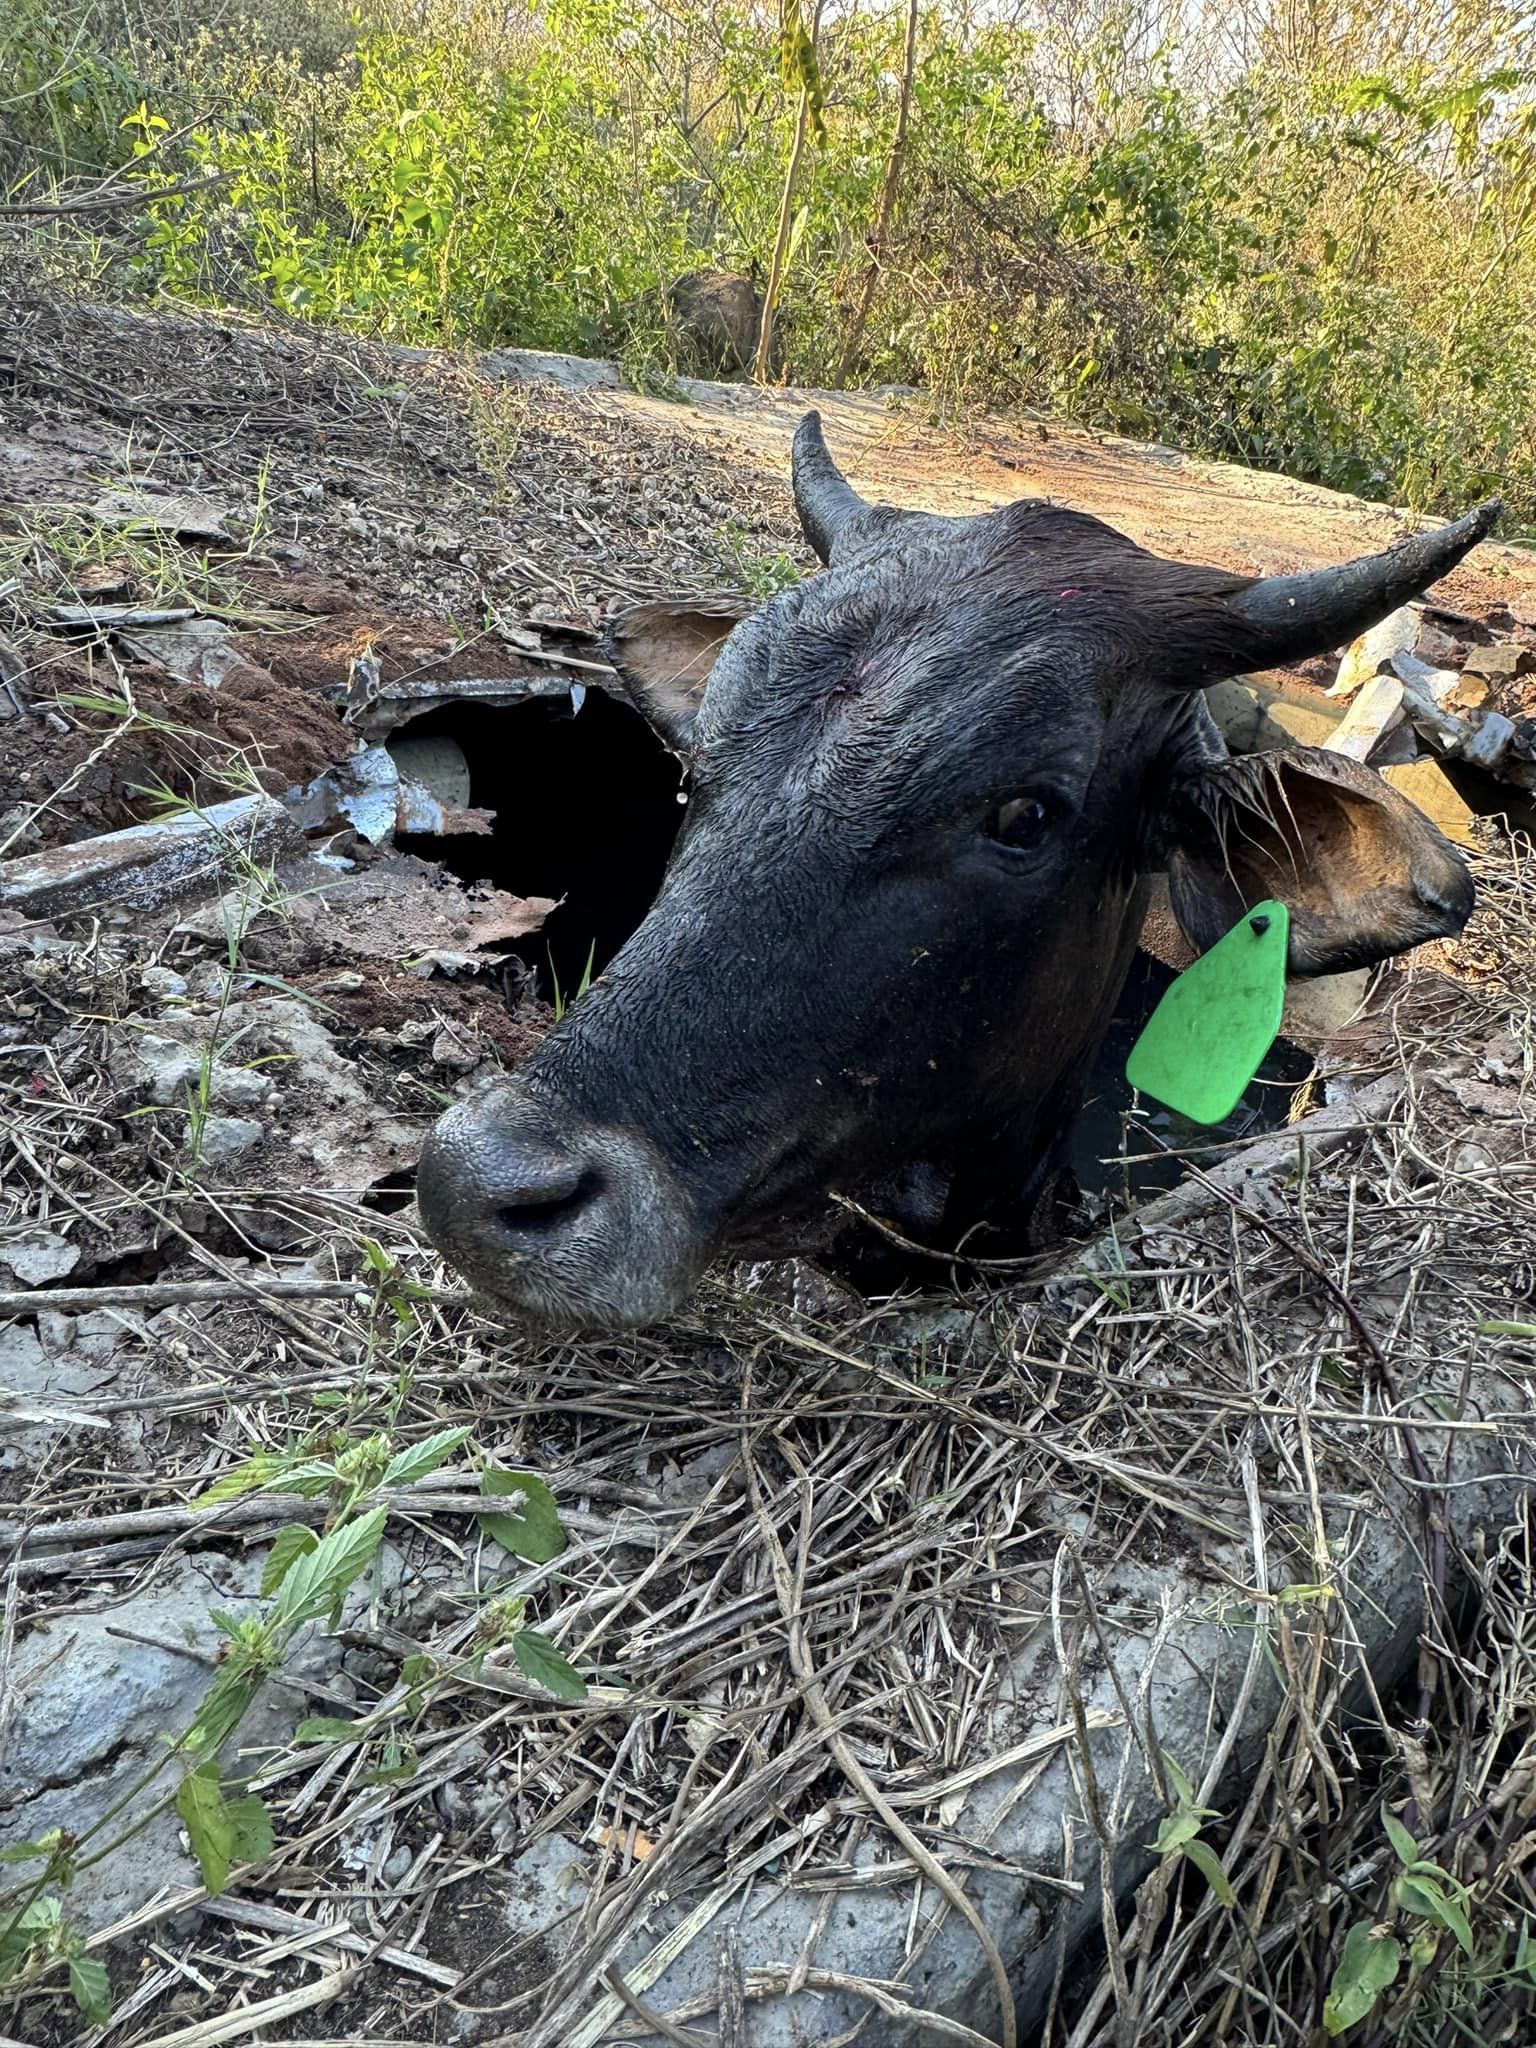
<point x="926" y="789"/>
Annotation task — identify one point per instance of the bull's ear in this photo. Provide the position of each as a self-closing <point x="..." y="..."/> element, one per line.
<point x="1363" y="872"/>
<point x="664" y="653"/>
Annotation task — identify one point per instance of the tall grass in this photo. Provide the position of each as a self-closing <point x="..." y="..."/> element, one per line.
<point x="1301" y="236"/>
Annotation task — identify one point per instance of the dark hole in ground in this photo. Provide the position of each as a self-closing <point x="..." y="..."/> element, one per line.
<point x="586" y="810"/>
<point x="392" y="1192"/>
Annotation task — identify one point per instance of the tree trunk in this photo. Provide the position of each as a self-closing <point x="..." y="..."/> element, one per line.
<point x="885" y="209"/>
<point x="775" y="284"/>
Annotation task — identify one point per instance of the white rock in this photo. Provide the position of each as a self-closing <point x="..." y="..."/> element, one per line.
<point x="1376" y="709"/>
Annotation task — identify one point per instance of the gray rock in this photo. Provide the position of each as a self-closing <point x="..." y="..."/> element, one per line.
<point x="545" y="1885"/>
<point x="171" y="1070"/>
<point x="227" y="1137"/>
<point x="93" y="1697"/>
<point x="147" y="864"/>
<point x="38" y="1256"/>
<point x="163" y="983"/>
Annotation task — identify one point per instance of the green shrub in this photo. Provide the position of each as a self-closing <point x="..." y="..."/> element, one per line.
<point x="1324" y="262"/>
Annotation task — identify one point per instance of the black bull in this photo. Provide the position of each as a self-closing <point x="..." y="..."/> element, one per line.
<point x="927" y="790"/>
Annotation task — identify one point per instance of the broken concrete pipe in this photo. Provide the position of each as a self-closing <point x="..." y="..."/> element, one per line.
<point x="146" y="865"/>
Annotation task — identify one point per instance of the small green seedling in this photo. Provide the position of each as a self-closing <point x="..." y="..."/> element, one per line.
<point x="1207" y="1037"/>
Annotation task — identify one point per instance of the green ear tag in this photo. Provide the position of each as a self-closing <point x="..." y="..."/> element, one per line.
<point x="1206" y="1039"/>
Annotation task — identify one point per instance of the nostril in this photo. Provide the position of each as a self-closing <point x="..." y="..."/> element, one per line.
<point x="546" y="1198"/>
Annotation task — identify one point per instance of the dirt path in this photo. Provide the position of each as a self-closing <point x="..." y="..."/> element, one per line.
<point x="1243" y="519"/>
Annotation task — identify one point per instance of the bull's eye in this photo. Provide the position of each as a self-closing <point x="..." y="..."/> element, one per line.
<point x="1021" y="825"/>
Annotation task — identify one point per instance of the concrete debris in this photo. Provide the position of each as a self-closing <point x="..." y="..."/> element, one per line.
<point x="223" y="1138"/>
<point x="201" y="651"/>
<point x="1490" y="742"/>
<point x="1375" y="711"/>
<point x="1502" y="662"/>
<point x="181" y="516"/>
<point x="1426" y="784"/>
<point x="434" y="763"/>
<point x="1255" y="718"/>
<point x="37" y="1256"/>
<point x="362" y="684"/>
<point x="397" y="911"/>
<point x="162" y="984"/>
<point x="96" y="1693"/>
<point x="412" y="697"/>
<point x="145" y="865"/>
<point x="369" y="791"/>
<point x="1397" y="633"/>
<point x="41" y="1397"/>
<point x="457" y="1048"/>
<point x="322" y="1129"/>
<point x="168" y="1071"/>
<point x="1485" y="739"/>
<point x="112" y="618"/>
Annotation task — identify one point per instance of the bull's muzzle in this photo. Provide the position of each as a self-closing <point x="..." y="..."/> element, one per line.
<point x="569" y="1225"/>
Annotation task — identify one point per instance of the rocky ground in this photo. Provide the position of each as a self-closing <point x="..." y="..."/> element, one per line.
<point x="825" y="1599"/>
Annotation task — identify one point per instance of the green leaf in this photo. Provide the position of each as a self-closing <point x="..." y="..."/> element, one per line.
<point x="1367" y="1966"/>
<point x="224" y="1706"/>
<point x="250" y="1829"/>
<point x="316" y="1583"/>
<point x="398" y="1762"/>
<point x="418" y="1670"/>
<point x="1402" y="1842"/>
<point x="326" y="1728"/>
<point x="200" y="1803"/>
<point x="92" y="1988"/>
<point x="26" y="1852"/>
<point x="1183" y="1791"/>
<point x="419" y="1459"/>
<point x="1209" y="1865"/>
<point x="241" y="1479"/>
<point x="543" y="1663"/>
<point x="1423" y="1895"/>
<point x="288" y="1546"/>
<point x="535" y="1533"/>
<point x="309" y="1476"/>
<point x="1176" y="1830"/>
<point x="23" y="1932"/>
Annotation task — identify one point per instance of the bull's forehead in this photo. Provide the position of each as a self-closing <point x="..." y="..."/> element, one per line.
<point x="959" y="646"/>
<point x="869" y="666"/>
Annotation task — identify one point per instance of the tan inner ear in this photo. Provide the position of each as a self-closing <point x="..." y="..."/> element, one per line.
<point x="1320" y="848"/>
<point x="667" y="649"/>
<point x="1364" y="874"/>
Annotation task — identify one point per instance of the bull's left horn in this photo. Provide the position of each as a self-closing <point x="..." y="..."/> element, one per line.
<point x="824" y="498"/>
<point x="1294" y="617"/>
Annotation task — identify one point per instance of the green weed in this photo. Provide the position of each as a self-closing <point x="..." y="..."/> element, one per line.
<point x="358" y="1475"/>
<point x="1320" y="258"/>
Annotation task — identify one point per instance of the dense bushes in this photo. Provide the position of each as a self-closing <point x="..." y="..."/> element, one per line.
<point x="1313" y="253"/>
